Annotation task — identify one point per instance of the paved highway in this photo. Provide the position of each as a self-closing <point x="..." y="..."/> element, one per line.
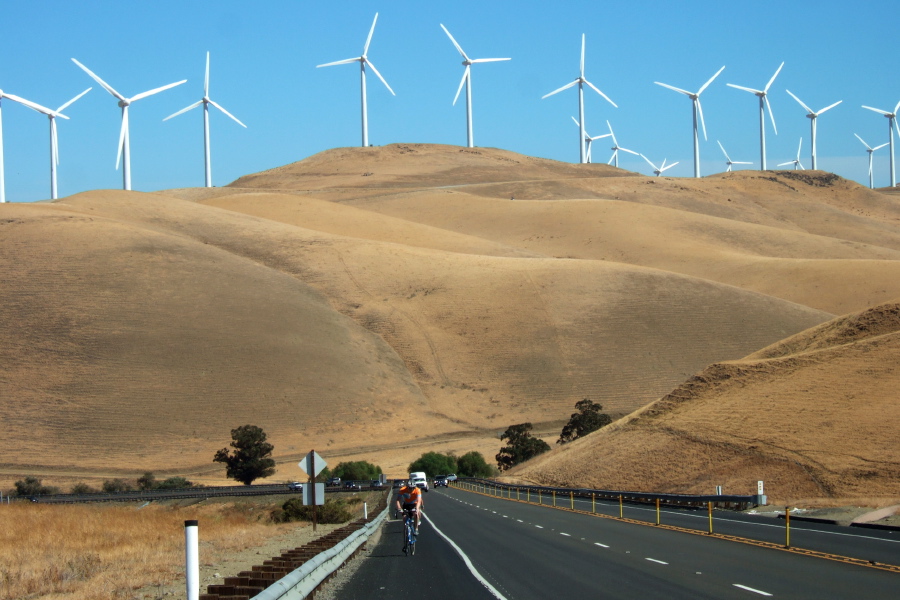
<point x="524" y="551"/>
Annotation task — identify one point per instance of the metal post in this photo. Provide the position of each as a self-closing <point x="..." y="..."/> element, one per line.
<point x="366" y="511"/>
<point x="541" y="502"/>
<point x="787" y="526"/>
<point x="710" y="518"/>
<point x="192" y="560"/>
<point x="572" y="500"/>
<point x="554" y="498"/>
<point x="528" y="494"/>
<point x="620" y="506"/>
<point x="657" y="511"/>
<point x="593" y="503"/>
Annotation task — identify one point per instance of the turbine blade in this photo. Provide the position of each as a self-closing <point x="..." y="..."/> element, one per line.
<point x="611" y="133"/>
<point x="878" y="110"/>
<point x="157" y="90"/>
<point x="184" y="110"/>
<point x="768" y="85"/>
<point x="576" y="122"/>
<point x="799" y="101"/>
<point x="374" y="70"/>
<point x="105" y="85"/>
<point x="647" y="159"/>
<point x="881" y="146"/>
<point x="741" y="162"/>
<point x="236" y="120"/>
<point x="790" y="162"/>
<point x="830" y="106"/>
<point x="666" y="168"/>
<point x="728" y="158"/>
<point x="611" y="158"/>
<point x="369" y="39"/>
<point x="896" y="108"/>
<point x="582" y="56"/>
<point x="671" y="87"/>
<point x="771" y="115"/>
<point x="458" y="47"/>
<point x="565" y="87"/>
<point x="461" y="83"/>
<point x="711" y="79"/>
<point x="484" y="60"/>
<point x="122" y="131"/>
<point x="798" y="148"/>
<point x="346" y="61"/>
<point x="863" y="141"/>
<point x="32" y="105"/>
<point x="702" y="121"/>
<point x="600" y="137"/>
<point x="593" y="87"/>
<point x="206" y="79"/>
<point x="70" y="102"/>
<point x="746" y="89"/>
<point x="629" y="151"/>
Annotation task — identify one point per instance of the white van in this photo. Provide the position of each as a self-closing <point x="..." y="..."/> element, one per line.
<point x="419" y="479"/>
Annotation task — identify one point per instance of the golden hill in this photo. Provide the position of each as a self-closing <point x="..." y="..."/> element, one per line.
<point x="380" y="302"/>
<point x="813" y="416"/>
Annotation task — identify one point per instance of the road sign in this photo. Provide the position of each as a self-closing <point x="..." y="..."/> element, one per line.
<point x="309" y="498"/>
<point x="312" y="464"/>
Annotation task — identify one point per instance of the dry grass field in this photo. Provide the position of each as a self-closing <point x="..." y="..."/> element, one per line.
<point x="376" y="303"/>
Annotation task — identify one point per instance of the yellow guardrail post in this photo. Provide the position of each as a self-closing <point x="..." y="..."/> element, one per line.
<point x="541" y="502"/>
<point x="710" y="518"/>
<point x="572" y="500"/>
<point x="518" y="491"/>
<point x="657" y="511"/>
<point x="554" y="498"/>
<point x="528" y="494"/>
<point x="787" y="526"/>
<point x="620" y="507"/>
<point x="593" y="502"/>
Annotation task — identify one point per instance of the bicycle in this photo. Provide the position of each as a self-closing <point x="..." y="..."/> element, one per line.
<point x="409" y="531"/>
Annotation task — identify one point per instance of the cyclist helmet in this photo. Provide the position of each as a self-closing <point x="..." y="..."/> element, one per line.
<point x="411" y="483"/>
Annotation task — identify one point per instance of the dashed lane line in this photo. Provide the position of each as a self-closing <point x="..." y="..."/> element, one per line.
<point x="750" y="589"/>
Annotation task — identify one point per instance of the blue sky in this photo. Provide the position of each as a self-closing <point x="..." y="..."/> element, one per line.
<point x="263" y="58"/>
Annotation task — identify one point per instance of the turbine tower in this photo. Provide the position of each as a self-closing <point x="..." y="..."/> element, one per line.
<point x="590" y="140"/>
<point x="54" y="140"/>
<point x="659" y="170"/>
<point x="870" y="150"/>
<point x="796" y="162"/>
<point x="363" y="61"/>
<point x="763" y="100"/>
<point x="24" y="102"/>
<point x="698" y="109"/>
<point x="581" y="81"/>
<point x="124" y="151"/>
<point x="892" y="125"/>
<point x="206" y="101"/>
<point x="467" y="80"/>
<point x="812" y="116"/>
<point x="728" y="160"/>
<point x="616" y="147"/>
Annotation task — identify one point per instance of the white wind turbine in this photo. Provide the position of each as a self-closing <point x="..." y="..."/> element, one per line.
<point x="763" y="100"/>
<point x="870" y="150"/>
<point x="812" y="116"/>
<point x="728" y="160"/>
<point x="796" y="162"/>
<point x="467" y="80"/>
<point x="54" y="140"/>
<point x="616" y="147"/>
<point x="124" y="151"/>
<point x="23" y="102"/>
<point x="659" y="170"/>
<point x="892" y="125"/>
<point x="206" y="101"/>
<point x="580" y="82"/>
<point x="698" y="110"/>
<point x="363" y="61"/>
<point x="590" y="140"/>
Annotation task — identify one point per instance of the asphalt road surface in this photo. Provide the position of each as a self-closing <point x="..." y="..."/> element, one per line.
<point x="525" y="551"/>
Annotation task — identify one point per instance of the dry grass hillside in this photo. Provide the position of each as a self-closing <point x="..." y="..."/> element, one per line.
<point x="380" y="302"/>
<point x="814" y="416"/>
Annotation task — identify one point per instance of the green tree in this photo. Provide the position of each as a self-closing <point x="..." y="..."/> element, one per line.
<point x="357" y="470"/>
<point x="251" y="459"/>
<point x="587" y="419"/>
<point x="174" y="483"/>
<point x="112" y="486"/>
<point x="32" y="486"/>
<point x="520" y="446"/>
<point x="434" y="463"/>
<point x="472" y="464"/>
<point x="147" y="481"/>
<point x="82" y="488"/>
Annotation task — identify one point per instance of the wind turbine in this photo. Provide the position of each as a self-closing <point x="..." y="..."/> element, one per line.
<point x="590" y="140"/>
<point x="363" y="61"/>
<point x="467" y="80"/>
<point x="728" y="160"/>
<point x="870" y="150"/>
<point x="695" y="100"/>
<point x="580" y="82"/>
<point x="796" y="162"/>
<point x="892" y="124"/>
<point x="616" y="147"/>
<point x="206" y="101"/>
<point x="24" y="102"/>
<point x="124" y="151"/>
<point x="659" y="170"/>
<point x="54" y="140"/>
<point x="763" y="100"/>
<point x="812" y="116"/>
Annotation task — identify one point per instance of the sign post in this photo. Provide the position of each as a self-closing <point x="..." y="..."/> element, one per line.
<point x="312" y="464"/>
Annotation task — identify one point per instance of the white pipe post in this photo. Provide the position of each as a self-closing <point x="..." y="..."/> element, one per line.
<point x="366" y="511"/>
<point x="192" y="560"/>
<point x="126" y="153"/>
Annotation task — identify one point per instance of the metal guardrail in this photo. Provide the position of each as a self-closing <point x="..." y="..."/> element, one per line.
<point x="737" y="502"/>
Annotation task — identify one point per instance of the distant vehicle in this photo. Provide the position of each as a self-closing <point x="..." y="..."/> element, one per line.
<point x="333" y="481"/>
<point x="377" y="484"/>
<point x="351" y="485"/>
<point x="398" y="483"/>
<point x="451" y="477"/>
<point x="295" y="485"/>
<point x="418" y="477"/>
<point x="440" y="481"/>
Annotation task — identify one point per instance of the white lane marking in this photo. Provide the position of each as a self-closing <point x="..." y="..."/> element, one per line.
<point x="601" y="545"/>
<point x="565" y="534"/>
<point x="468" y="562"/>
<point x="520" y="520"/>
<point x="750" y="589"/>
<point x="539" y="526"/>
<point x="657" y="561"/>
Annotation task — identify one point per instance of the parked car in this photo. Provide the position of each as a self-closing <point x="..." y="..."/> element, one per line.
<point x="451" y="477"/>
<point x="351" y="485"/>
<point x="332" y="481"/>
<point x="377" y="484"/>
<point x="295" y="485"/>
<point x="398" y="483"/>
<point x="440" y="481"/>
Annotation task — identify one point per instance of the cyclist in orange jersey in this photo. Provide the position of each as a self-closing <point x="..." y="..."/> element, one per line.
<point x="410" y="498"/>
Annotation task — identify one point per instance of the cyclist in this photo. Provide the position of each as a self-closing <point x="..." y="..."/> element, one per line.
<point x="409" y="498"/>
